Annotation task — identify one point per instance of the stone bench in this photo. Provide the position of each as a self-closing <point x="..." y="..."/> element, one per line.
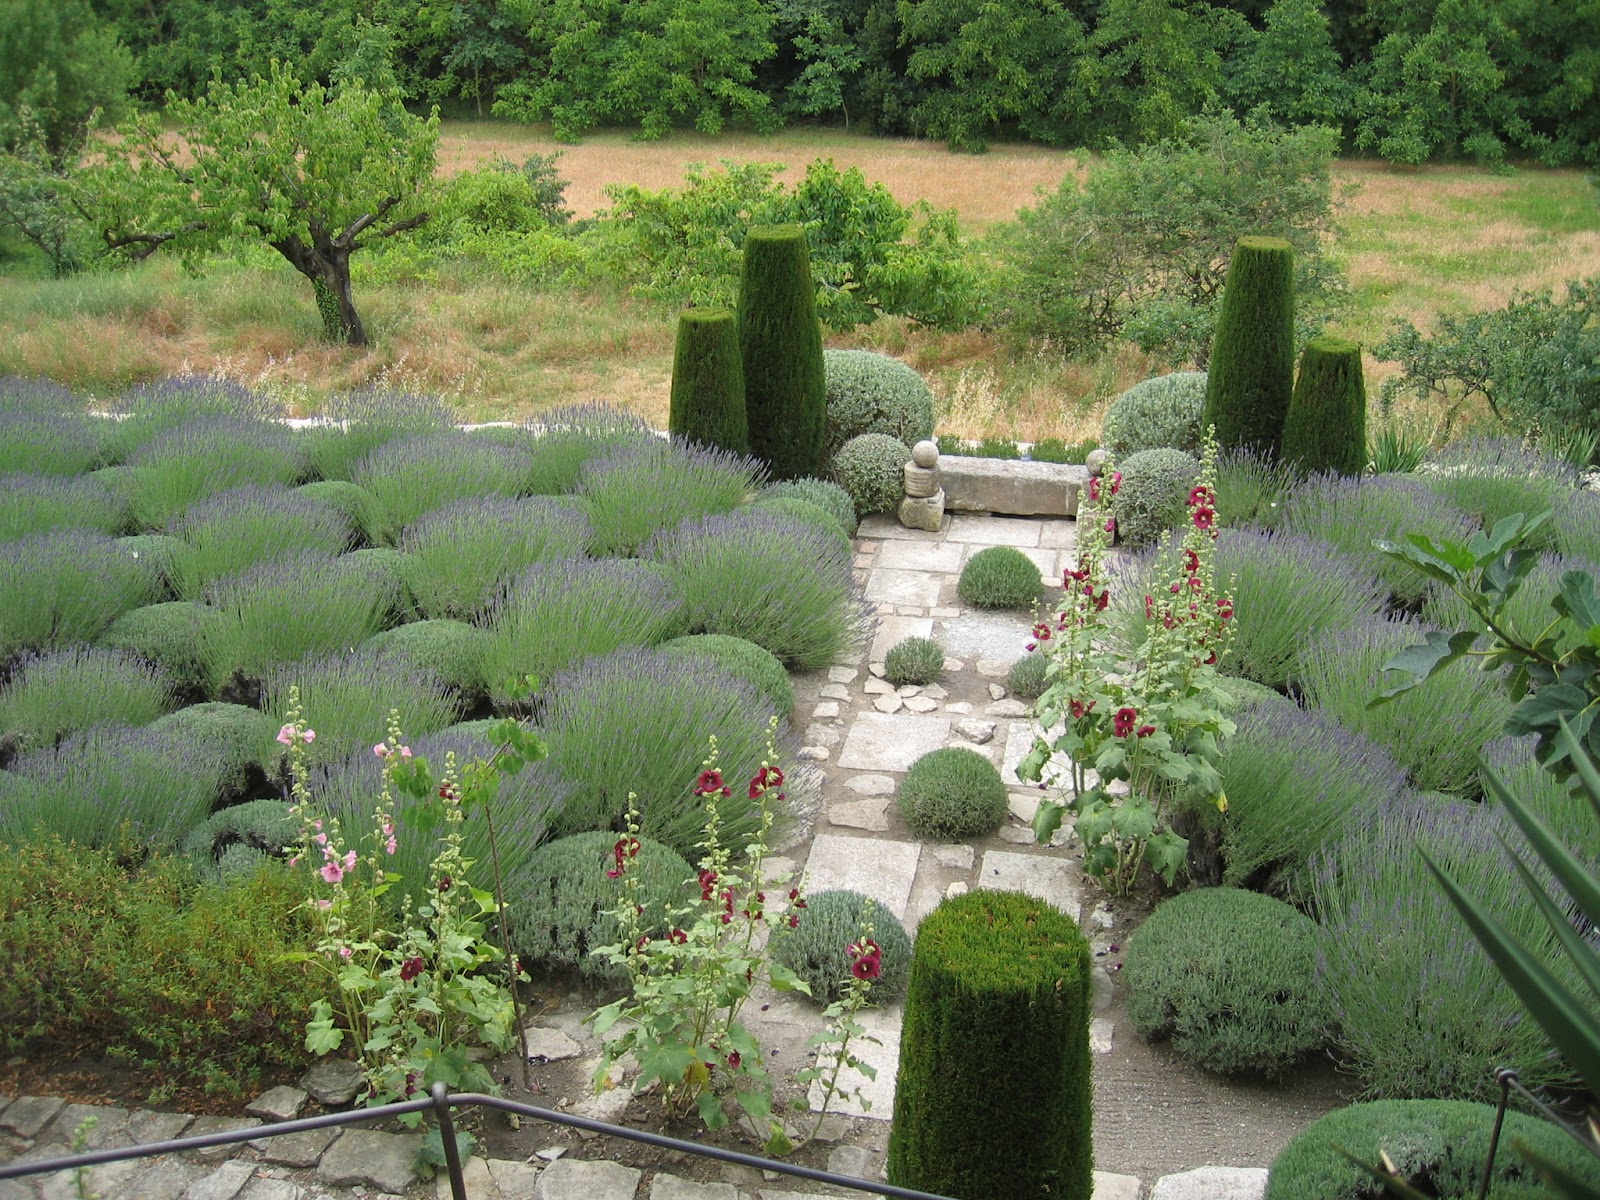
<point x="1011" y="486"/>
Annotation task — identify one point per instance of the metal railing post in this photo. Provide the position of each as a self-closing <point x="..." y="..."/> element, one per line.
<point x="447" y="1132"/>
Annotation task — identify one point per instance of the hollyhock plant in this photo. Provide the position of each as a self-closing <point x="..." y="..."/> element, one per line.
<point x="1124" y="738"/>
<point x="681" y="1016"/>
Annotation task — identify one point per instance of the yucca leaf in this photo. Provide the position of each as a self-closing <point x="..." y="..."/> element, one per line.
<point x="1558" y="1179"/>
<point x="1579" y="952"/>
<point x="1569" y="1024"/>
<point x="1391" y="1179"/>
<point x="1573" y="875"/>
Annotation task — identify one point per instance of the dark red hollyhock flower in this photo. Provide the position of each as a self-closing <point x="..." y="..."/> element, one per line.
<point x="733" y="1060"/>
<point x="1146" y="730"/>
<point x="444" y="883"/>
<point x="1202" y="497"/>
<point x="411" y="968"/>
<point x="1122" y="724"/>
<point x="708" y="883"/>
<point x="1203" y="518"/>
<point x="1191" y="561"/>
<point x="1116" y="481"/>
<point x="677" y="937"/>
<point x="765" y="779"/>
<point x="446" y="792"/>
<point x="709" y="783"/>
<point x="866" y="960"/>
<point x="626" y="848"/>
<point x="1224" y="608"/>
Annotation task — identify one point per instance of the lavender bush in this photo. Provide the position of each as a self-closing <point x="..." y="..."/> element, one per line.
<point x="413" y="475"/>
<point x="57" y="692"/>
<point x="459" y="555"/>
<point x="599" y="742"/>
<point x="109" y="786"/>
<point x="48" y="442"/>
<point x="348" y="698"/>
<point x="1351" y="514"/>
<point x="205" y="456"/>
<point x="523" y="808"/>
<point x="1491" y="478"/>
<point x="1296" y="782"/>
<point x="1576" y="521"/>
<point x="633" y="492"/>
<point x="234" y="530"/>
<point x="1435" y="733"/>
<point x="359" y="506"/>
<point x="556" y="613"/>
<point x="1420" y="1010"/>
<point x="289" y="608"/>
<point x="1251" y="488"/>
<point x="768" y="578"/>
<point x="35" y="503"/>
<point x="152" y="409"/>
<point x="353" y="424"/>
<point x="67" y="585"/>
<point x="36" y="395"/>
<point x="1562" y="808"/>
<point x="567" y="438"/>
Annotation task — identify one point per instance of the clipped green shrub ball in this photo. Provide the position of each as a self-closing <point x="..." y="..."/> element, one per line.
<point x="951" y="794"/>
<point x="803" y="510"/>
<point x="1159" y="413"/>
<point x="233" y="843"/>
<point x="707" y="405"/>
<point x="156" y="549"/>
<point x="1326" y="426"/>
<point x="873" y="393"/>
<point x="169" y="634"/>
<point x="1154" y="496"/>
<point x="1231" y="978"/>
<point x="1027" y="676"/>
<point x="913" y="660"/>
<point x="561" y="899"/>
<point x="240" y="741"/>
<point x="451" y="650"/>
<point x="1440" y="1143"/>
<point x="824" y="493"/>
<point x="993" y="1095"/>
<point x="871" y="468"/>
<point x="1000" y="577"/>
<point x="743" y="659"/>
<point x="817" y="949"/>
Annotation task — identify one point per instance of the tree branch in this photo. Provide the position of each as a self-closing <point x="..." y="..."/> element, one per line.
<point x="148" y="243"/>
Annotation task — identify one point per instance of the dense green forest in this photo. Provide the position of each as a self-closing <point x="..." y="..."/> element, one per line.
<point x="1410" y="80"/>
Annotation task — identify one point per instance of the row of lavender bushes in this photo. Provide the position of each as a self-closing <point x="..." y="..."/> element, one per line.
<point x="1329" y="800"/>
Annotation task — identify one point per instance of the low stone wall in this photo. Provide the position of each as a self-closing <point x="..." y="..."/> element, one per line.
<point x="1011" y="486"/>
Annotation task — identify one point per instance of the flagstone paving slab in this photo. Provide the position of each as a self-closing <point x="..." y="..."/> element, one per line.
<point x="570" y="1179"/>
<point x="1047" y="877"/>
<point x="876" y="867"/>
<point x="1000" y="636"/>
<point x="994" y="531"/>
<point x="918" y="588"/>
<point x="921" y="556"/>
<point x="1212" y="1183"/>
<point x="893" y="630"/>
<point x="27" y="1115"/>
<point x="892" y="741"/>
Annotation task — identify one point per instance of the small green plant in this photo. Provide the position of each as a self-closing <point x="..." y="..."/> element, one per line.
<point x="1231" y="978"/>
<point x="1395" y="450"/>
<point x="871" y="467"/>
<point x="1155" y="487"/>
<point x="1160" y="413"/>
<point x="570" y="436"/>
<point x="913" y="660"/>
<point x="1495" y="478"/>
<point x="451" y="651"/>
<point x="234" y="843"/>
<point x="356" y="423"/>
<point x="1251" y="376"/>
<point x="995" y="447"/>
<point x="1029" y="676"/>
<point x="1326" y="425"/>
<point x="743" y="659"/>
<point x="563" y="912"/>
<point x="824" y="494"/>
<point x="951" y="794"/>
<point x="169" y="635"/>
<point x="998" y="1005"/>
<point x="818" y="948"/>
<point x="49" y="442"/>
<point x="689" y="986"/>
<point x="780" y="344"/>
<point x="707" y="405"/>
<point x="359" y="506"/>
<point x="1000" y="577"/>
<point x="873" y="393"/>
<point x="205" y="456"/>
<point x="1576" y="522"/>
<point x="1055" y="450"/>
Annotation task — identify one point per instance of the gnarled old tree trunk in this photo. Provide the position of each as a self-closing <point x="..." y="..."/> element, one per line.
<point x="327" y="266"/>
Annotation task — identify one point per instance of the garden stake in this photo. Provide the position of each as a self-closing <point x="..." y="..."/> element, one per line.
<point x="1504" y="1077"/>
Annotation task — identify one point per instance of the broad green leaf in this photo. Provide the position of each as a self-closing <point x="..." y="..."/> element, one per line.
<point x="1437" y="651"/>
<point x="1046" y="820"/>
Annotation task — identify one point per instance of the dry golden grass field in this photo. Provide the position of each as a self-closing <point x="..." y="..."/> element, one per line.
<point x="1415" y="242"/>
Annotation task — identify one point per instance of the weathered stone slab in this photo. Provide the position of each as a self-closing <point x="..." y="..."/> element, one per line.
<point x="272" y="1189"/>
<point x="920" y="589"/>
<point x="874" y="867"/>
<point x="870" y="785"/>
<point x="109" y="1128"/>
<point x="574" y="1179"/>
<point x="224" y="1183"/>
<point x="894" y="630"/>
<point x="886" y="527"/>
<point x="672" y="1187"/>
<point x="205" y="1125"/>
<point x="117" y="1179"/>
<point x="891" y="742"/>
<point x="994" y="531"/>
<point x="296" y="1149"/>
<point x="372" y="1159"/>
<point x="1046" y="876"/>
<point x="870" y="815"/>
<point x="1213" y="1183"/>
<point x="999" y="636"/>
<point x="549" y="1045"/>
<point x="334" y="1081"/>
<point x="1059" y="535"/>
<point x="146" y="1126"/>
<point x="998" y="485"/>
<point x="27" y="1115"/>
<point x="1115" y="1187"/>
<point x="516" y="1180"/>
<point x="856" y="1161"/>
<point x="278" y="1104"/>
<point x="955" y="857"/>
<point x="921" y="556"/>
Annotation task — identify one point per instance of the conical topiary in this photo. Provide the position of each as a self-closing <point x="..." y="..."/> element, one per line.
<point x="780" y="342"/>
<point x="707" y="403"/>
<point x="1252" y="355"/>
<point x="1326" y="429"/>
<point x="993" y="1095"/>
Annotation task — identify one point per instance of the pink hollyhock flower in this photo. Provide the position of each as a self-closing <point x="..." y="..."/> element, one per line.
<point x="405" y="752"/>
<point x="391" y="845"/>
<point x="286" y="735"/>
<point x="332" y="872"/>
<point x="381" y="750"/>
<point x="344" y="951"/>
<point x="309" y="736"/>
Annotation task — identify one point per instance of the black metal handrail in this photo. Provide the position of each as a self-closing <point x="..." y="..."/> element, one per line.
<point x="440" y="1102"/>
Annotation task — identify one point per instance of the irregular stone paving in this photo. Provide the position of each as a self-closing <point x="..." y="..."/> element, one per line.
<point x="863" y="733"/>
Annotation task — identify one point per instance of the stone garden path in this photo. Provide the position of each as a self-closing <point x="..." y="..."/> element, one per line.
<point x="861" y="734"/>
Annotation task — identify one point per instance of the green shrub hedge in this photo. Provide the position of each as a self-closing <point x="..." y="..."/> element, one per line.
<point x="742" y="658"/>
<point x="1154" y="496"/>
<point x="951" y="794"/>
<point x="170" y="634"/>
<point x="1000" y="577"/>
<point x="871" y="467"/>
<point x="874" y="393"/>
<point x="824" y="493"/>
<point x="1231" y="978"/>
<point x="1159" y="413"/>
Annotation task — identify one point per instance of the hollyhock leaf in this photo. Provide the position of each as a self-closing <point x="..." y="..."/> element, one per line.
<point x="785" y="980"/>
<point x="1046" y="820"/>
<point x="1167" y="853"/>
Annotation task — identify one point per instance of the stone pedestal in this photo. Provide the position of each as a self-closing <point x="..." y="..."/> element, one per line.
<point x="923" y="512"/>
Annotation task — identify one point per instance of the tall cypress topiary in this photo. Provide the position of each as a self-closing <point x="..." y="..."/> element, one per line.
<point x="1252" y="354"/>
<point x="707" y="403"/>
<point x="1326" y="429"/>
<point x="780" y="341"/>
<point x="993" y="1094"/>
